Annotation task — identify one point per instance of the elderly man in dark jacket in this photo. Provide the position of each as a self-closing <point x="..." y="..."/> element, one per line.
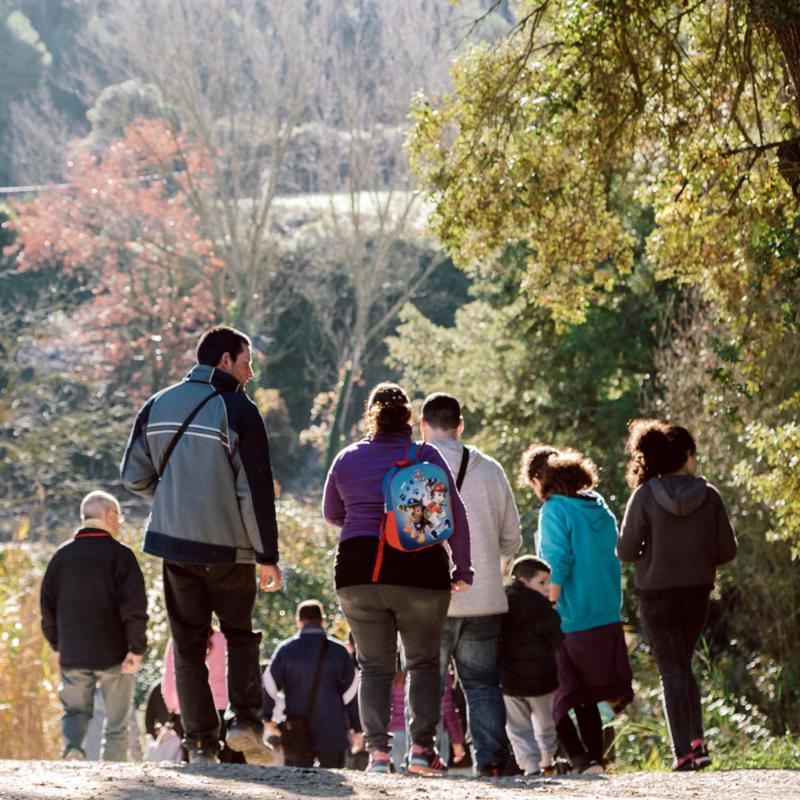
<point x="200" y="450"/>
<point x="330" y="713"/>
<point x="94" y="614"/>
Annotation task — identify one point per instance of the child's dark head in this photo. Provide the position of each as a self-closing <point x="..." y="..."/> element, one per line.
<point x="532" y="572"/>
<point x="548" y="470"/>
<point x="657" y="448"/>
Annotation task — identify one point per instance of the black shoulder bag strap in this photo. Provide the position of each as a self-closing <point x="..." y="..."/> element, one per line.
<point x="186" y="423"/>
<point x="317" y="675"/>
<point x="462" y="470"/>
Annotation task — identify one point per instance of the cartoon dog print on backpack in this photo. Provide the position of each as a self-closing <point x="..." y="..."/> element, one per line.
<point x="436" y="498"/>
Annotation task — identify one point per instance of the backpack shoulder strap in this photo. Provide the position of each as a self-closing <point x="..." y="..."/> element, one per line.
<point x="317" y="674"/>
<point x="186" y="423"/>
<point x="462" y="470"/>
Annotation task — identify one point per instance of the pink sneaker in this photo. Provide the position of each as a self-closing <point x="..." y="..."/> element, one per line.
<point x="700" y="757"/>
<point x="379" y="761"/>
<point x="425" y="762"/>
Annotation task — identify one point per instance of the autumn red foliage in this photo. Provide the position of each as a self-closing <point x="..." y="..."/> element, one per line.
<point x="122" y="228"/>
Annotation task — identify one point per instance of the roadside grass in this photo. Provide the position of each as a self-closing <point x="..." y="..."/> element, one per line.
<point x="737" y="732"/>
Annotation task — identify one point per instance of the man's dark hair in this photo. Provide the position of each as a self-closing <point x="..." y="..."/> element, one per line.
<point x="217" y="341"/>
<point x="528" y="567"/>
<point x="310" y="611"/>
<point x="441" y="411"/>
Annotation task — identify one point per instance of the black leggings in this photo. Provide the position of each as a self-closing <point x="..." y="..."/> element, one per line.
<point x="673" y="624"/>
<point x="588" y="745"/>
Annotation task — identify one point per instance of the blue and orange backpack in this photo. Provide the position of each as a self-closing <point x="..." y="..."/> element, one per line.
<point x="417" y="508"/>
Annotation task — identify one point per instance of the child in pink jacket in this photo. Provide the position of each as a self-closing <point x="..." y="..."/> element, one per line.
<point x="216" y="661"/>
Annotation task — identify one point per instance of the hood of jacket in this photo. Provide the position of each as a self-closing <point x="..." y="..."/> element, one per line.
<point x="590" y="505"/>
<point x="452" y="450"/>
<point x="679" y="494"/>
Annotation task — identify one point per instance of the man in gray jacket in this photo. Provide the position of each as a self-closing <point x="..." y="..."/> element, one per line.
<point x="199" y="449"/>
<point x="472" y="633"/>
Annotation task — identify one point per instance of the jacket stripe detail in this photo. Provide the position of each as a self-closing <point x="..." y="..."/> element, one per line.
<point x="270" y="687"/>
<point x="352" y="690"/>
<point x="176" y="425"/>
<point x="190" y="432"/>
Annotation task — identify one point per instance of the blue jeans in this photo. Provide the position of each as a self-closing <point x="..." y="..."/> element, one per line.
<point x="473" y="643"/>
<point x="76" y="693"/>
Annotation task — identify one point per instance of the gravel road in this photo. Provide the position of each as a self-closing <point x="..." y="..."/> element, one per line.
<point x="43" y="780"/>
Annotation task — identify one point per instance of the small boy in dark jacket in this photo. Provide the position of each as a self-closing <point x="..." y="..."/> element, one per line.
<point x="531" y="634"/>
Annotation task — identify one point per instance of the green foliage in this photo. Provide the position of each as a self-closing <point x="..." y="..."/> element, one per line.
<point x="774" y="476"/>
<point x="522" y="378"/>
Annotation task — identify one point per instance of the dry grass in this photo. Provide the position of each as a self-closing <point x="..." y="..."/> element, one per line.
<point x="30" y="711"/>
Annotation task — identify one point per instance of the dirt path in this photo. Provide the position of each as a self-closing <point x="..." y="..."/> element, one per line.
<point x="42" y="780"/>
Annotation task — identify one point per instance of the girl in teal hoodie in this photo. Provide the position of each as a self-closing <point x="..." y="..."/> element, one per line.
<point x="577" y="535"/>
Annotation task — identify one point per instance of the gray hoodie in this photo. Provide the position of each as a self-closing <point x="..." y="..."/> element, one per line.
<point x="677" y="531"/>
<point x="494" y="529"/>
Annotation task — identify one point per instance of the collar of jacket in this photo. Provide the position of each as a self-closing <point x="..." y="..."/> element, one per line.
<point x="403" y="435"/>
<point x="219" y="379"/>
<point x="93" y="528"/>
<point x="310" y="627"/>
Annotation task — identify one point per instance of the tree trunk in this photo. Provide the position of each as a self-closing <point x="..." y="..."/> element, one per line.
<point x="782" y="18"/>
<point x="334" y="433"/>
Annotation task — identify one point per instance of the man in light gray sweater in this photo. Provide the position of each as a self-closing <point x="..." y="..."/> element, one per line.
<point x="472" y="633"/>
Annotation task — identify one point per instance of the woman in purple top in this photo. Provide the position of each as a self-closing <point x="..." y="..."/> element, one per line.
<point x="412" y="591"/>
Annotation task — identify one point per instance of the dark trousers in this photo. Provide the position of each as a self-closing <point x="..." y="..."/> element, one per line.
<point x="193" y="592"/>
<point x="585" y="743"/>
<point x="376" y="613"/>
<point x="673" y="624"/>
<point x="326" y="760"/>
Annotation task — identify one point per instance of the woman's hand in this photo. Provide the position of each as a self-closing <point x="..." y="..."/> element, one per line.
<point x="555" y="592"/>
<point x="459" y="586"/>
<point x="458" y="753"/>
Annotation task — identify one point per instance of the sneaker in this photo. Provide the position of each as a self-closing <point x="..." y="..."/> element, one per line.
<point x="684" y="763"/>
<point x="700" y="757"/>
<point x="533" y="773"/>
<point x="379" y="762"/>
<point x="492" y="771"/>
<point x="424" y="761"/>
<point x="550" y="769"/>
<point x="593" y="768"/>
<point x="202" y="751"/>
<point x="73" y="754"/>
<point x="246" y="738"/>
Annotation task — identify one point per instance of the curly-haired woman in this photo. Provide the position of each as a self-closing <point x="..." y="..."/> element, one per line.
<point x="577" y="535"/>
<point x="411" y="593"/>
<point x="677" y="532"/>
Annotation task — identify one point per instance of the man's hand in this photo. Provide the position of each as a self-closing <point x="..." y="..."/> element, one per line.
<point x="459" y="586"/>
<point x="270" y="579"/>
<point x="356" y="742"/>
<point x="131" y="663"/>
